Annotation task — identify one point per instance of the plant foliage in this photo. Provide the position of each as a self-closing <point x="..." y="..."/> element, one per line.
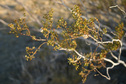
<point x="67" y="38"/>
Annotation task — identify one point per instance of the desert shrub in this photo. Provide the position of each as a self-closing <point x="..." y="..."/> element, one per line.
<point x="64" y="37"/>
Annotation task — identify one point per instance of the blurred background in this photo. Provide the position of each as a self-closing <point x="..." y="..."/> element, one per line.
<point x="51" y="67"/>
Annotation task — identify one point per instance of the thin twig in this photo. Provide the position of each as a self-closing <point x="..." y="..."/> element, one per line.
<point x="3" y="22"/>
<point x="118" y="8"/>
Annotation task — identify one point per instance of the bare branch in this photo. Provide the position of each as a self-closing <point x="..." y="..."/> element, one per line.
<point x="3" y="22"/>
<point x="118" y="8"/>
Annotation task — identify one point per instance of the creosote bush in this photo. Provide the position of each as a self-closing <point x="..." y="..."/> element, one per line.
<point x="66" y="40"/>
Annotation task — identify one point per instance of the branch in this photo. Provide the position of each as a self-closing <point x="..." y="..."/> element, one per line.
<point x="106" y="59"/>
<point x="74" y="51"/>
<point x="118" y="8"/>
<point x="3" y="22"/>
<point x="112" y="43"/>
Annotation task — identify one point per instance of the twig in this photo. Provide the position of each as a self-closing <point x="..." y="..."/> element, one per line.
<point x="3" y="22"/>
<point x="118" y="8"/>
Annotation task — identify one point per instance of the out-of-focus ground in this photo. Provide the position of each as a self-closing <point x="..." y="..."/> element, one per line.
<point x="50" y="67"/>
